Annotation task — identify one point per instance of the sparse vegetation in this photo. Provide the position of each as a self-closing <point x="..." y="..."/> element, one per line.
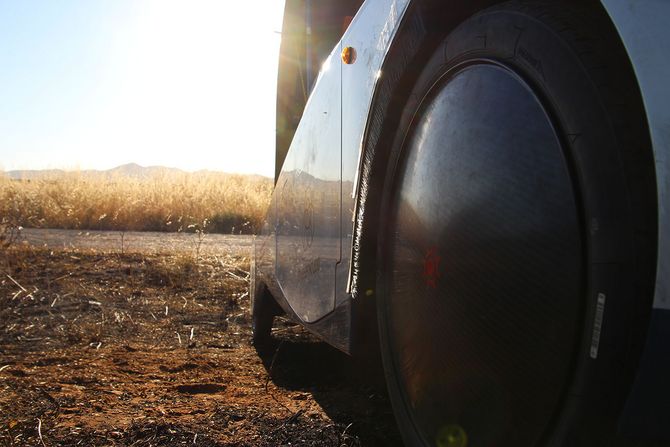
<point x="9" y="233"/>
<point x="150" y="349"/>
<point x="161" y="202"/>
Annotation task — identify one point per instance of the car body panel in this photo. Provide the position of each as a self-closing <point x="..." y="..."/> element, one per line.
<point x="307" y="198"/>
<point x="312" y="221"/>
<point x="643" y="28"/>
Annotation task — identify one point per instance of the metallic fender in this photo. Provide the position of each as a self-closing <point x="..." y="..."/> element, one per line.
<point x="643" y="29"/>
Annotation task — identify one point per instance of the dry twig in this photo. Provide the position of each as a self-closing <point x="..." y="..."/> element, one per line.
<point x="16" y="282"/>
<point x="39" y="431"/>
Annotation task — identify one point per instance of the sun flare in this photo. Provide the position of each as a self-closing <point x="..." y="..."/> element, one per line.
<point x="182" y="84"/>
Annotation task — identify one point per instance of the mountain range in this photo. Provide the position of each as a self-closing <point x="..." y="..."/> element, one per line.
<point x="129" y="170"/>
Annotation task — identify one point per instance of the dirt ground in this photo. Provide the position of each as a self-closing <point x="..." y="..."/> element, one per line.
<point x="103" y="349"/>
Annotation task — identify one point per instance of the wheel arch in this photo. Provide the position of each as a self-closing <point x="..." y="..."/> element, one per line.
<point x="425" y="24"/>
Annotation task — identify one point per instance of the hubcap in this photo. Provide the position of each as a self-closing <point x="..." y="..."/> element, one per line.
<point x="484" y="268"/>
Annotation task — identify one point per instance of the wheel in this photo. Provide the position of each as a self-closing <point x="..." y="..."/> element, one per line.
<point x="263" y="310"/>
<point x="516" y="262"/>
<point x="261" y="323"/>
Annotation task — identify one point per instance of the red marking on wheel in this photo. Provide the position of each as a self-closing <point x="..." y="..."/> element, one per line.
<point x="431" y="267"/>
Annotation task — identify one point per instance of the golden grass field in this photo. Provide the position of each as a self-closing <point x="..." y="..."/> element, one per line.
<point x="181" y="201"/>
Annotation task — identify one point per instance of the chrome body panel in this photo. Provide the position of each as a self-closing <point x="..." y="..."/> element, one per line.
<point x="307" y="197"/>
<point x="304" y="248"/>
<point x="643" y="27"/>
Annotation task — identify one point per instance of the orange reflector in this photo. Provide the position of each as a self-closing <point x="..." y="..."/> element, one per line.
<point x="348" y="55"/>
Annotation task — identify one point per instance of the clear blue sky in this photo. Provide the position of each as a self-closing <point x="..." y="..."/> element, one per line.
<point x="98" y="83"/>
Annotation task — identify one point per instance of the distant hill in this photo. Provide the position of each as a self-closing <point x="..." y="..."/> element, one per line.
<point x="29" y="174"/>
<point x="130" y="170"/>
<point x="133" y="170"/>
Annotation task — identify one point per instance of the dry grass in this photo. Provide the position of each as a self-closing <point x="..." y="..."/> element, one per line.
<point x="215" y="202"/>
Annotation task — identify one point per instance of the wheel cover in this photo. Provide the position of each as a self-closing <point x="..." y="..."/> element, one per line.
<point x="483" y="269"/>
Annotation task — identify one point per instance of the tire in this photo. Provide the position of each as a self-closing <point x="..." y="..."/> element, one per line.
<point x="516" y="260"/>
<point x="263" y="310"/>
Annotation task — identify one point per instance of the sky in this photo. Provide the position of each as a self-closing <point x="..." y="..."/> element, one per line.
<point x="93" y="84"/>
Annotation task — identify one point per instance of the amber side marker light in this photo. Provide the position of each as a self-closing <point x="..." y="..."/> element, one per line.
<point x="348" y="55"/>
